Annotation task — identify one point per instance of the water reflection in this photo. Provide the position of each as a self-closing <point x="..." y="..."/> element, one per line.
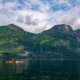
<point x="39" y="69"/>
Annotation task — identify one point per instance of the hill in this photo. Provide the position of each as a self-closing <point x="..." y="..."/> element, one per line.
<point x="59" y="42"/>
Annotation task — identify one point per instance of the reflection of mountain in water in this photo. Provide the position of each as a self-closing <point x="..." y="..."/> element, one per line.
<point x="41" y="70"/>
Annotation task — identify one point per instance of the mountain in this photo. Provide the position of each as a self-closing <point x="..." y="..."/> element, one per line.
<point x="59" y="42"/>
<point x="14" y="40"/>
<point x="77" y="32"/>
<point x="57" y="35"/>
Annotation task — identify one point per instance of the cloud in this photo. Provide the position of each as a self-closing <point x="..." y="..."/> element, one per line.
<point x="38" y="15"/>
<point x="63" y="1"/>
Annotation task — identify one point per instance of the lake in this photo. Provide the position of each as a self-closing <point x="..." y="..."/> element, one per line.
<point x="25" y="69"/>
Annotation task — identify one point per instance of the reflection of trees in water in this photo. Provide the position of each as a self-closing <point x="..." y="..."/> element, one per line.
<point x="10" y="71"/>
<point x="7" y="72"/>
<point x="41" y="70"/>
<point x="54" y="70"/>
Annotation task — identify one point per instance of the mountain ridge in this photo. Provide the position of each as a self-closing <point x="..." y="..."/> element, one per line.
<point x="58" y="42"/>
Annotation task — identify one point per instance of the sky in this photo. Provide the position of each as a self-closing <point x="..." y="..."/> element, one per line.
<point x="38" y="15"/>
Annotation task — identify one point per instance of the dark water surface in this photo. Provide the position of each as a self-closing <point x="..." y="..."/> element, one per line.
<point x="40" y="70"/>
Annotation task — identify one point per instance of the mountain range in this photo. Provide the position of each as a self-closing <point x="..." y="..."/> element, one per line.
<point x="59" y="42"/>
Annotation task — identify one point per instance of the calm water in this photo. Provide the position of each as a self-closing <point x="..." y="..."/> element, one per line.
<point x="40" y="70"/>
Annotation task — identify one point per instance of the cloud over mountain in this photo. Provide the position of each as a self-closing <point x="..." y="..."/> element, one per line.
<point x="38" y="15"/>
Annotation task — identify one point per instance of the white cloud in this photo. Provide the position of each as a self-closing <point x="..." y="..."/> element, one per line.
<point x="39" y="16"/>
<point x="63" y="1"/>
<point x="41" y="19"/>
